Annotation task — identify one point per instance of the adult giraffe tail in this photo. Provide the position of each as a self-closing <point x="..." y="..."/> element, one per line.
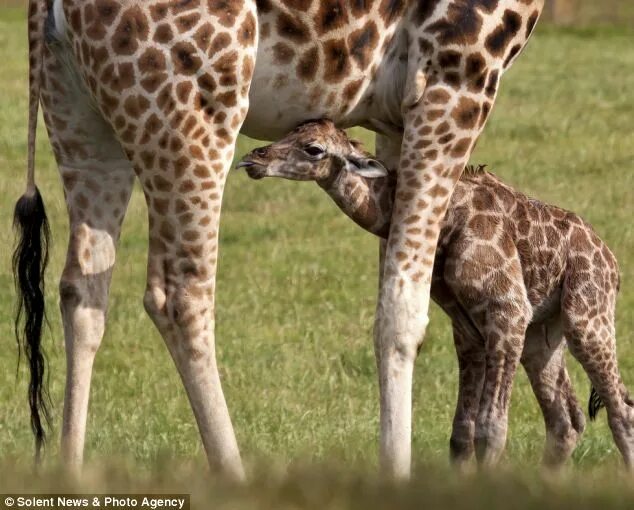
<point x="31" y="253"/>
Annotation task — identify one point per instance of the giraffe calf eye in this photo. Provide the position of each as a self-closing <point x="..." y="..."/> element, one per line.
<point x="314" y="150"/>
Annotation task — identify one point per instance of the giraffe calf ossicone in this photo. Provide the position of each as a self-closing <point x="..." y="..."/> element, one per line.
<point x="516" y="277"/>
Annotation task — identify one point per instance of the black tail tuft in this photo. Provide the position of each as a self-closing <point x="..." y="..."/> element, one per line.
<point x="29" y="263"/>
<point x="594" y="404"/>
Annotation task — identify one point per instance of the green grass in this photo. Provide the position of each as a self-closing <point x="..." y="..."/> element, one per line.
<point x="296" y="294"/>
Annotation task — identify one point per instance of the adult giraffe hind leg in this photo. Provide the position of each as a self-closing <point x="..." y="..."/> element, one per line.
<point x="176" y="93"/>
<point x="97" y="180"/>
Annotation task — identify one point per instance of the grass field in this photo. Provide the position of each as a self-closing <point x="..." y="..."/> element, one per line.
<point x="296" y="295"/>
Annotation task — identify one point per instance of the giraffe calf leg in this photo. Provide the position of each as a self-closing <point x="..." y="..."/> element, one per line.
<point x="590" y="332"/>
<point x="544" y="362"/>
<point x="471" y="366"/>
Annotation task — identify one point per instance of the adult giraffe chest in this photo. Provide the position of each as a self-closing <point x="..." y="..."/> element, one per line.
<point x="324" y="59"/>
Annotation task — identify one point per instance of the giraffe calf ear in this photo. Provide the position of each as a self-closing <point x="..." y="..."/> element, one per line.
<point x="366" y="167"/>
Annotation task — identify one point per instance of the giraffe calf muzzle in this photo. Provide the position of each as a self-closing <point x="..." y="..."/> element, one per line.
<point x="254" y="170"/>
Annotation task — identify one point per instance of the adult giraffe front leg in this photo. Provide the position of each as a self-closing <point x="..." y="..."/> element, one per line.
<point x="176" y="94"/>
<point x="454" y="63"/>
<point x="435" y="150"/>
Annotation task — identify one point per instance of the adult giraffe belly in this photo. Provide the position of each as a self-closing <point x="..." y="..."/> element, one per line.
<point x="302" y="74"/>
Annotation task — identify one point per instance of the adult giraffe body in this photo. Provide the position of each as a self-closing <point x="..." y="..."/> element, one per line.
<point x="162" y="89"/>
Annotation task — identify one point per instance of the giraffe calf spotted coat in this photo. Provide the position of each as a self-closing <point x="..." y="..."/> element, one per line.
<point x="515" y="275"/>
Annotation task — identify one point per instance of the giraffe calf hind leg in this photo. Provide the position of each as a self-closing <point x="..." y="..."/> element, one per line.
<point x="545" y="365"/>
<point x="590" y="333"/>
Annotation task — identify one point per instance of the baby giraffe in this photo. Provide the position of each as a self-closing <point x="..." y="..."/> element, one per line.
<point x="516" y="277"/>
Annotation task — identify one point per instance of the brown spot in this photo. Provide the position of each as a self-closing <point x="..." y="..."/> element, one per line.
<point x="461" y="25"/>
<point x="483" y="200"/>
<point x="530" y="24"/>
<point x="163" y="33"/>
<point x="486" y="109"/>
<point x="514" y="51"/>
<point x="460" y="148"/>
<point x="151" y="60"/>
<point x="497" y="41"/>
<point x="247" y="68"/>
<point x="283" y="53"/>
<point x="487" y="256"/>
<point x="391" y="10"/>
<point x="301" y="5"/>
<point x="220" y="42"/>
<point x="484" y="227"/>
<point x="449" y="58"/>
<point x="360" y="7"/>
<point x="466" y="113"/>
<point x="452" y="78"/>
<point x="158" y="11"/>
<point x="206" y="83"/>
<point x="227" y="98"/>
<point x="225" y="10"/>
<point x="331" y="16"/>
<point x="123" y="78"/>
<point x="187" y="22"/>
<point x="133" y="27"/>
<point x="438" y="96"/>
<point x="164" y="99"/>
<point x="107" y="10"/>
<point x="225" y="68"/>
<point x="308" y="64"/>
<point x="336" y="60"/>
<point x="292" y="28"/>
<point x="362" y="44"/>
<point x="424" y="10"/>
<point x="161" y="183"/>
<point x="351" y="90"/>
<point x="202" y="36"/>
<point x="185" y="57"/>
<point x="263" y="6"/>
<point x="246" y="33"/>
<point x="182" y="91"/>
<point x="442" y="128"/>
<point x="135" y="106"/>
<point x="492" y="84"/>
<point x="184" y="6"/>
<point x="474" y="66"/>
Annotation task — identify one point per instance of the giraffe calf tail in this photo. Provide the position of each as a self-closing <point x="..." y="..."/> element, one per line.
<point x="31" y="252"/>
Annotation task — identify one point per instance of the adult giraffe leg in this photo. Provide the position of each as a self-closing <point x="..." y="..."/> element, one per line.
<point x="97" y="180"/>
<point x="442" y="122"/>
<point x="388" y="150"/>
<point x="177" y="111"/>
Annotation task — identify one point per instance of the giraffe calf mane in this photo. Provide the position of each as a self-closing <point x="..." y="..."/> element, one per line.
<point x="474" y="169"/>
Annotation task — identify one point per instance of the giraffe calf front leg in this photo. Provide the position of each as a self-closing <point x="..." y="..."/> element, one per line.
<point x="471" y="366"/>
<point x="504" y="332"/>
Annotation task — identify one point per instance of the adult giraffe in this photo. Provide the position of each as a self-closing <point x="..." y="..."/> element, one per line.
<point x="161" y="89"/>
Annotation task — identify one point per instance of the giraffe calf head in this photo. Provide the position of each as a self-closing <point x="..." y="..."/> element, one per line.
<point x="318" y="151"/>
<point x="314" y="151"/>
